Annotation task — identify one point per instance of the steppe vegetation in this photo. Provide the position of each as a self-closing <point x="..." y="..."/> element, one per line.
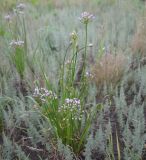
<point x="72" y="80"/>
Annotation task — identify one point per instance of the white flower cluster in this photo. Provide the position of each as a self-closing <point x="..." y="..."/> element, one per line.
<point x="16" y="43"/>
<point x="74" y="101"/>
<point x="72" y="106"/>
<point x="21" y="6"/>
<point x="19" y="9"/>
<point x="43" y="94"/>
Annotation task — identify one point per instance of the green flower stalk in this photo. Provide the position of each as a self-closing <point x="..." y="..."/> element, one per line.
<point x="74" y="39"/>
<point x="85" y="18"/>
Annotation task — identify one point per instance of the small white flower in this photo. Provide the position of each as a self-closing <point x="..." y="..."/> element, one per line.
<point x="36" y="92"/>
<point x="68" y="62"/>
<point x="103" y="48"/>
<point x="91" y="45"/>
<point x="89" y="75"/>
<point x="43" y="100"/>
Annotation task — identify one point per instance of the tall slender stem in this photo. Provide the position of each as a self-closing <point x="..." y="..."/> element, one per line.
<point x="86" y="30"/>
<point x="85" y="53"/>
<point x="83" y="85"/>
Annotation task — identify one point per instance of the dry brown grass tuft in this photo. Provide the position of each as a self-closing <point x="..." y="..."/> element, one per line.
<point x="139" y="40"/>
<point x="109" y="69"/>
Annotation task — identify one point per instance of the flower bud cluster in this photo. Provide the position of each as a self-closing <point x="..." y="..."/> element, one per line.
<point x="73" y="36"/>
<point x="43" y="94"/>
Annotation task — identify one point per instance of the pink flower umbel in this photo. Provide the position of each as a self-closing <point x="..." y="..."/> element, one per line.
<point x="43" y="94"/>
<point x="86" y="17"/>
<point x="8" y="18"/>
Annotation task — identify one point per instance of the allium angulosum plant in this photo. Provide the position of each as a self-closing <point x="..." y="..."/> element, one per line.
<point x="85" y="19"/>
<point x="18" y="44"/>
<point x="68" y="80"/>
<point x="66" y="110"/>
<point x="18" y="56"/>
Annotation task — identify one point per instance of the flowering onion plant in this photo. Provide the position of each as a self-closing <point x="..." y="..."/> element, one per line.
<point x="18" y="44"/>
<point x="65" y="111"/>
<point x="68" y="80"/>
<point x="18" y="56"/>
<point x="69" y="120"/>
